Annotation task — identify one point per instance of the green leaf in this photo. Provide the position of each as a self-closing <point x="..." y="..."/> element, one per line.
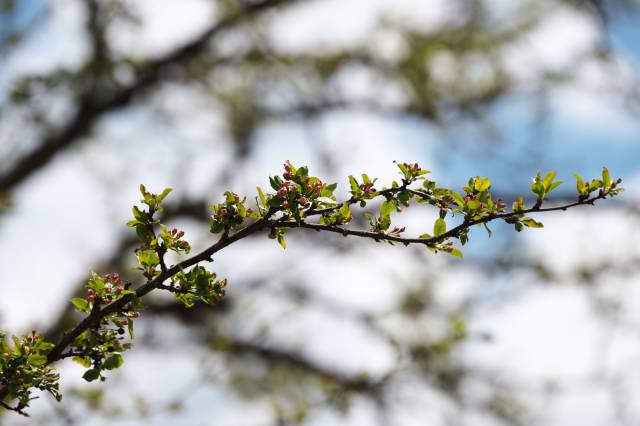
<point x="84" y="361"/>
<point x="595" y="184"/>
<point x="579" y="183"/>
<point x="386" y="208"/>
<point x="45" y="346"/>
<point x="91" y="375"/>
<point x="282" y="241"/>
<point x="606" y="178"/>
<point x="263" y="199"/>
<point x="537" y="188"/>
<point x="482" y="184"/>
<point x="403" y="169"/>
<point x="37" y="360"/>
<point x="148" y="258"/>
<point x="130" y="326"/>
<point x="531" y="223"/>
<point x="164" y="194"/>
<point x="548" y="179"/>
<point x="138" y="214"/>
<point x="440" y="227"/>
<point x="274" y="182"/>
<point x="242" y="211"/>
<point x="354" y="185"/>
<point x="113" y="362"/>
<point x="142" y="231"/>
<point x="16" y="345"/>
<point x="455" y="252"/>
<point x="302" y="171"/>
<point x="554" y="185"/>
<point x="345" y="211"/>
<point x="81" y="304"/>
<point x="458" y="198"/>
<point x="473" y="204"/>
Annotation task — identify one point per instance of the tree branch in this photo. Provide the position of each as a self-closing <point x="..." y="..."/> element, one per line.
<point x="91" y="107"/>
<point x="452" y="233"/>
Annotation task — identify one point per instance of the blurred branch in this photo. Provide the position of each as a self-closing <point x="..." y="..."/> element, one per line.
<point x="91" y="107"/>
<point x="348" y="383"/>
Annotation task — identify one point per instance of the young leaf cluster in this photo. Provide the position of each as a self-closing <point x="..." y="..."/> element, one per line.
<point x="23" y="368"/>
<point x="100" y="347"/>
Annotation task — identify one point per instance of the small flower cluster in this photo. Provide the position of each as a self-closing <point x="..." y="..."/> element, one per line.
<point x="360" y="192"/>
<point x="197" y="283"/>
<point x="101" y="291"/>
<point x="478" y="201"/>
<point x="151" y="253"/>
<point x="297" y="195"/>
<point x="230" y="214"/>
<point x="411" y="172"/>
<point x="172" y="240"/>
<point x="341" y="216"/>
<point x="296" y="192"/>
<point x="605" y="186"/>
<point x="99" y="347"/>
<point x="23" y="367"/>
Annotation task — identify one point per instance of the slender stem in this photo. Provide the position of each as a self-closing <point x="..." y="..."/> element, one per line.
<point x="452" y="233"/>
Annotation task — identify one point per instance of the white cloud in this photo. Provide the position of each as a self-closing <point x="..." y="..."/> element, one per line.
<point x="328" y="24"/>
<point x="164" y="25"/>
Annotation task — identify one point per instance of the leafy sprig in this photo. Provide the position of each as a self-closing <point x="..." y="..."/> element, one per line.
<point x="298" y="200"/>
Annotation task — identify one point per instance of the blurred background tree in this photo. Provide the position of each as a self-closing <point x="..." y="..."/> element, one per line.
<point x="209" y="95"/>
